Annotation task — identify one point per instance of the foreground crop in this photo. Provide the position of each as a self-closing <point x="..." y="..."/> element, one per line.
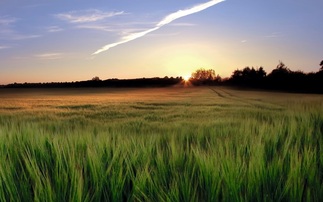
<point x="174" y="144"/>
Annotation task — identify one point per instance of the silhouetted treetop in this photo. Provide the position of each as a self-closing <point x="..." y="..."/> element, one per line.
<point x="248" y="76"/>
<point x="205" y="77"/>
<point x="281" y="71"/>
<point x="321" y="64"/>
<point x="261" y="72"/>
<point x="203" y="74"/>
<point x="96" y="78"/>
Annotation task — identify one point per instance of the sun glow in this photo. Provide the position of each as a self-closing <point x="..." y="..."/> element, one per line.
<point x="186" y="78"/>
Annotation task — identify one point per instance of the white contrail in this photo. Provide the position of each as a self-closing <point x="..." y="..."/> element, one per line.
<point x="125" y="39"/>
<point x="168" y="19"/>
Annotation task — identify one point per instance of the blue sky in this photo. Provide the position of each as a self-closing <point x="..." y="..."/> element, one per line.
<point x="44" y="41"/>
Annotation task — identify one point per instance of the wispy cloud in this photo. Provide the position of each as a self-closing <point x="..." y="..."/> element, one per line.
<point x="97" y="27"/>
<point x="4" y="47"/>
<point x="8" y="33"/>
<point x="183" y="24"/>
<point x="23" y="37"/>
<point x="274" y="35"/>
<point x="5" y="20"/>
<point x="108" y="28"/>
<point x="91" y="15"/>
<point x="12" y="35"/>
<point x="5" y="26"/>
<point x="53" y="29"/>
<point x="168" y="19"/>
<point x="49" y="56"/>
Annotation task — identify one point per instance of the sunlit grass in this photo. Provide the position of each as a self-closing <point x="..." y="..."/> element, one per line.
<point x="171" y="144"/>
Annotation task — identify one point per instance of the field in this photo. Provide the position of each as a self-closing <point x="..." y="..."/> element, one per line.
<point x="160" y="144"/>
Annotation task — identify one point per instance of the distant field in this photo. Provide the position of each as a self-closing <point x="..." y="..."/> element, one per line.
<point x="160" y="144"/>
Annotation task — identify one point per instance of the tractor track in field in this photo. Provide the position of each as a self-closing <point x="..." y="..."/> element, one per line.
<point x="260" y="104"/>
<point x="216" y="92"/>
<point x="228" y="96"/>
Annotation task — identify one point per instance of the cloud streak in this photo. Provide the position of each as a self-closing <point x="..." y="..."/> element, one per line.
<point x="274" y="35"/>
<point x="49" y="56"/>
<point x="52" y="29"/>
<point x="168" y="19"/>
<point x="4" y="21"/>
<point x="4" y="47"/>
<point x="8" y="33"/>
<point x="91" y="15"/>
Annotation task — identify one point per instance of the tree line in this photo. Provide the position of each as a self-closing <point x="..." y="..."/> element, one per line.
<point x="280" y="78"/>
<point x="96" y="82"/>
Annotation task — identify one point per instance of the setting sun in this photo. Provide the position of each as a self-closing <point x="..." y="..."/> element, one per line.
<point x="186" y="78"/>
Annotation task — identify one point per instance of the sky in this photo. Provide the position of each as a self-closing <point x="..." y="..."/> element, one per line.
<point x="58" y="41"/>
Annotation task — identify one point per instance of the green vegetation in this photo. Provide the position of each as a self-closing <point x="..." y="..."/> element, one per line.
<point x="167" y="144"/>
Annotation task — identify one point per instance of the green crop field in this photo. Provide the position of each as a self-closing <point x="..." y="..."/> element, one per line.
<point x="160" y="144"/>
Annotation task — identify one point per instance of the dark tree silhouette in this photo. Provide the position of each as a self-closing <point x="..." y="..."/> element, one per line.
<point x="281" y="71"/>
<point x="249" y="76"/>
<point x="261" y="73"/>
<point x="281" y="78"/>
<point x="96" y="78"/>
<point x="203" y="74"/>
<point x="205" y="77"/>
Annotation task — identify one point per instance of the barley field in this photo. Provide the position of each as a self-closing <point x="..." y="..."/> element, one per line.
<point x="160" y="144"/>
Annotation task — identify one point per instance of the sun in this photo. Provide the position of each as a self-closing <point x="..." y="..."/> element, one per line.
<point x="186" y="78"/>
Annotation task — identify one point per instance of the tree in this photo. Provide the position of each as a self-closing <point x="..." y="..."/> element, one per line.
<point x="249" y="76"/>
<point x="281" y="71"/>
<point x="261" y="72"/>
<point x="203" y="75"/>
<point x="321" y="64"/>
<point x="96" y="78"/>
<point x="281" y="78"/>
